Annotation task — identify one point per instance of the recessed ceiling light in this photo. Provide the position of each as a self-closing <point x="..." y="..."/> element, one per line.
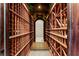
<point x="39" y="6"/>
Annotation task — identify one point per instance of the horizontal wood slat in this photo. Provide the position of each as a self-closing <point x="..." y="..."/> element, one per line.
<point x="23" y="47"/>
<point x="15" y="36"/>
<point x="65" y="46"/>
<point x="58" y="35"/>
<point x="56" y="29"/>
<point x="19" y="15"/>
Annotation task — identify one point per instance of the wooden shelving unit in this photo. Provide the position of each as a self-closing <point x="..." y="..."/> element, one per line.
<point x="56" y="29"/>
<point x="19" y="29"/>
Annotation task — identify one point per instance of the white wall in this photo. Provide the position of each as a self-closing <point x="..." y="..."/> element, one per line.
<point x="39" y="31"/>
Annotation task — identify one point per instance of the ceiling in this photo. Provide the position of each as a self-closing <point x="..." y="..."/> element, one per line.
<point x="39" y="10"/>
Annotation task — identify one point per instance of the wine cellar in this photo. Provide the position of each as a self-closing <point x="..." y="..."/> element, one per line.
<point x="60" y="29"/>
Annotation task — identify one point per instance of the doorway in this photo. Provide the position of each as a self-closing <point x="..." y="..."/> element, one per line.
<point x="39" y="31"/>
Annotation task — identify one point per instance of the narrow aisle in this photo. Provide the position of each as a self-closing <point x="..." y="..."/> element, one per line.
<point x="39" y="53"/>
<point x="39" y="49"/>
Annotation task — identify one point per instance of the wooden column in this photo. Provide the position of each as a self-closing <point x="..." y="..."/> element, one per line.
<point x="1" y="27"/>
<point x="74" y="29"/>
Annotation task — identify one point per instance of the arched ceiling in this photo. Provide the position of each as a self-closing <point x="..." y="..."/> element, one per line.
<point x="39" y="10"/>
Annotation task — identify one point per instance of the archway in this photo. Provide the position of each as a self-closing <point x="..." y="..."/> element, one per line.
<point x="39" y="31"/>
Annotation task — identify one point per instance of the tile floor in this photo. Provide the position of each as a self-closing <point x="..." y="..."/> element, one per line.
<point x="39" y="49"/>
<point x="39" y="53"/>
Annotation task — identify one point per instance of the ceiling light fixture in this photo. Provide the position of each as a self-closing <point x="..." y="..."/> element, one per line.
<point x="39" y="6"/>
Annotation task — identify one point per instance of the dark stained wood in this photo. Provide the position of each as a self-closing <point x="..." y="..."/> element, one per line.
<point x="19" y="31"/>
<point x="1" y="27"/>
<point x="20" y="28"/>
<point x="74" y="40"/>
<point x="56" y="29"/>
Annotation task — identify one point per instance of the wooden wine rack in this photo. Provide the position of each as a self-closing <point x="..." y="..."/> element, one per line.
<point x="19" y="29"/>
<point x="56" y="29"/>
